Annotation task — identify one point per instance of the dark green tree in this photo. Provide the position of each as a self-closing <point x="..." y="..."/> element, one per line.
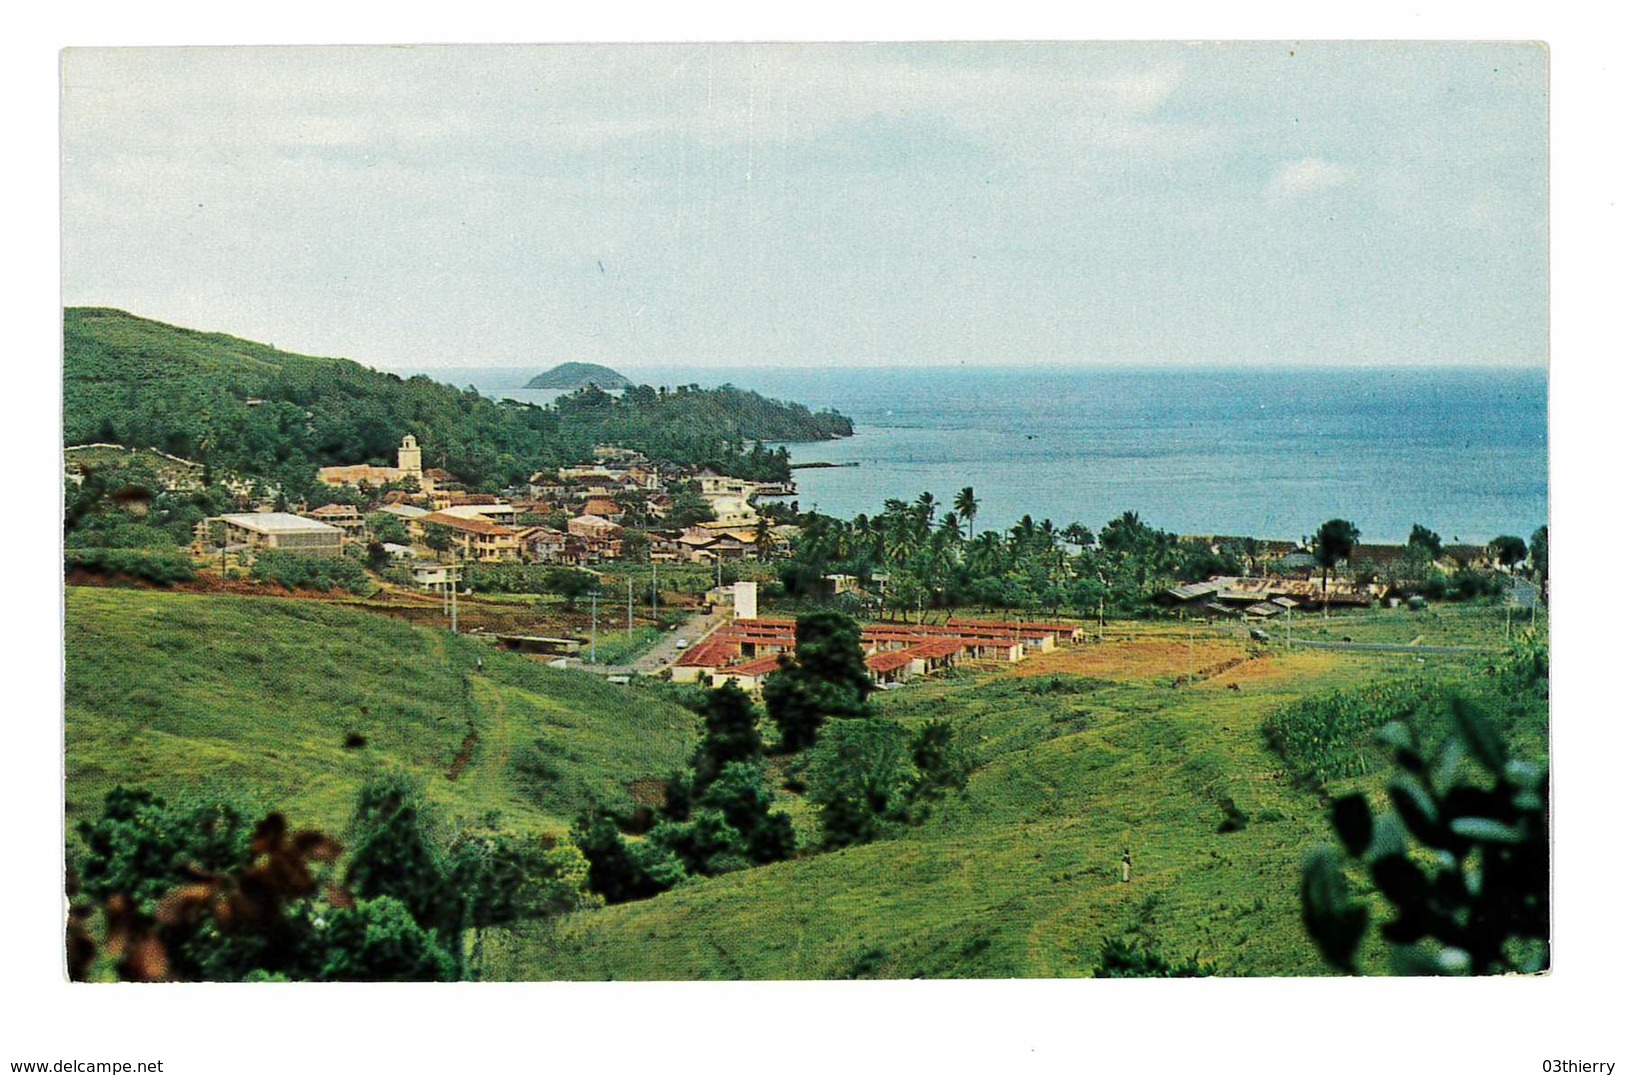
<point x="621" y="871"/>
<point x="379" y="940"/>
<point x="730" y="733"/>
<point x="826" y="678"/>
<point x="186" y="893"/>
<point x="940" y="766"/>
<point x="704" y="843"/>
<point x="966" y="506"/>
<point x="142" y="847"/>
<point x="634" y="545"/>
<point x="386" y="527"/>
<point x="1508" y="550"/>
<point x="571" y="583"/>
<point x="859" y="777"/>
<point x="502" y="879"/>
<point x="1426" y="540"/>
<point x="742" y="796"/>
<point x="393" y="855"/>
<point x="1334" y="543"/>
<point x="689" y="508"/>
<point x="437" y="537"/>
<point x="1537" y="551"/>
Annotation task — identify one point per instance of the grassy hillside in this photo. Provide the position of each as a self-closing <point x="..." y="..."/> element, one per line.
<point x="1020" y="877"/>
<point x="1079" y="755"/>
<point x="257" y="696"/>
<point x="132" y="381"/>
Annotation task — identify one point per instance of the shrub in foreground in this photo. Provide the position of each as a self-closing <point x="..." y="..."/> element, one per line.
<point x="1461" y="857"/>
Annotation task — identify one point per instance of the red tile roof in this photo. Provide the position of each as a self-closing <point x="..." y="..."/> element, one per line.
<point x="713" y="653"/>
<point x="759" y="666"/>
<point x="471" y="526"/>
<point x="888" y="662"/>
<point x="936" y="648"/>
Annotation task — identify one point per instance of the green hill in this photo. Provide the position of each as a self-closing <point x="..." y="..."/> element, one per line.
<point x="259" y="695"/>
<point x="1079" y="755"/>
<point x="255" y="410"/>
<point x="573" y="375"/>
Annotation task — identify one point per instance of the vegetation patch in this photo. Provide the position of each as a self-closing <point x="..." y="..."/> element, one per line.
<point x="156" y="566"/>
<point x="1330" y="736"/>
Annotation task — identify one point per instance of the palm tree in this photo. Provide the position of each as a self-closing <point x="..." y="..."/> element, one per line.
<point x="965" y="505"/>
<point x="1076" y="533"/>
<point x="764" y="537"/>
<point x="926" y="506"/>
<point x="951" y="528"/>
<point x="1023" y="534"/>
<point x="899" y="539"/>
<point x="986" y="554"/>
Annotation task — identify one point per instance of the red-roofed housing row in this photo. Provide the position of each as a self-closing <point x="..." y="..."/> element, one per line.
<point x="747" y="651"/>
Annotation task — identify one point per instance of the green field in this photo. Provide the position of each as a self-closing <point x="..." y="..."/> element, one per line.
<point x="257" y="696"/>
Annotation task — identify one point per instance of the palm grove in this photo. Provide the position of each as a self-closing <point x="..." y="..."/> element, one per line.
<point x="922" y="556"/>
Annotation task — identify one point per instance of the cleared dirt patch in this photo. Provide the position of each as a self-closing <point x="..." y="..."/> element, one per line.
<point x="1282" y="666"/>
<point x="1135" y="659"/>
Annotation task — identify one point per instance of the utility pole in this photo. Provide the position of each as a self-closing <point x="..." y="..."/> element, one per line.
<point x="629" y="608"/>
<point x="654" y="588"/>
<point x="454" y="593"/>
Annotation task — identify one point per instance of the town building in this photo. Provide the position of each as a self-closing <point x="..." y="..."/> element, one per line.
<point x="747" y="650"/>
<point x="544" y="545"/>
<point x="593" y="526"/>
<point x="472" y="539"/>
<point x="408" y="464"/>
<point x="491" y="513"/>
<point x="344" y="516"/>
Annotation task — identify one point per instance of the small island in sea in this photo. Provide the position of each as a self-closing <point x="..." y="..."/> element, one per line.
<point x="570" y="376"/>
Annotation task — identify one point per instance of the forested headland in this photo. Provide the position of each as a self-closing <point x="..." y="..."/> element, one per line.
<point x="248" y="407"/>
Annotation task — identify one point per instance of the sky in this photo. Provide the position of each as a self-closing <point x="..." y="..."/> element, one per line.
<point x="820" y="205"/>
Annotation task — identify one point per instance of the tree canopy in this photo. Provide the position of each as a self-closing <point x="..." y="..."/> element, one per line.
<point x="1509" y="550"/>
<point x="1334" y="543"/>
<point x="826" y="678"/>
<point x="278" y="416"/>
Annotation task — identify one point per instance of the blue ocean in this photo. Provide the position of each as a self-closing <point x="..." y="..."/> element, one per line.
<point x="1266" y="452"/>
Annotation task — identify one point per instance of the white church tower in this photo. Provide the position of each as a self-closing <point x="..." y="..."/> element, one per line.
<point x="409" y="459"/>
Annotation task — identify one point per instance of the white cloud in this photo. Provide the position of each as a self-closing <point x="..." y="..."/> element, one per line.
<point x="750" y="198"/>
<point x="1311" y="175"/>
